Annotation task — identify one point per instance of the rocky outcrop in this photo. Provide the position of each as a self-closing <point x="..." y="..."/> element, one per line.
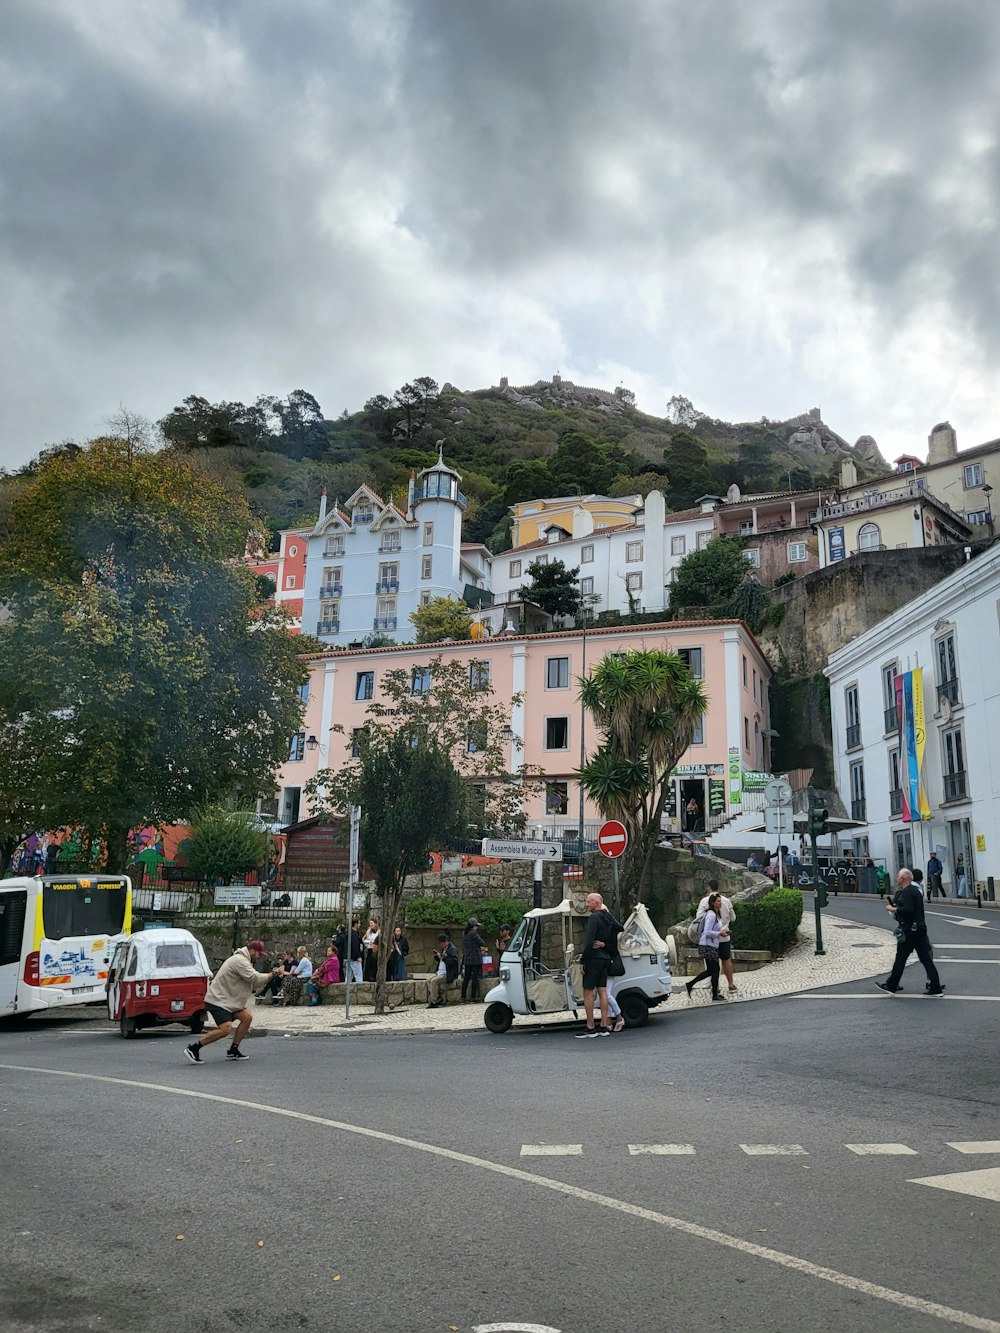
<point x="810" y="433"/>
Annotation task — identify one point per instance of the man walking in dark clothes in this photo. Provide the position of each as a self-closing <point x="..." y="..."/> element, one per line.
<point x="600" y="940"/>
<point x="908" y="909"/>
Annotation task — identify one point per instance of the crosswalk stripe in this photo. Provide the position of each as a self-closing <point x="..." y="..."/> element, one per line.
<point x="977" y="1145"/>
<point x="881" y="1149"/>
<point x="551" y="1149"/>
<point x="661" y="1149"/>
<point x="774" y="1150"/>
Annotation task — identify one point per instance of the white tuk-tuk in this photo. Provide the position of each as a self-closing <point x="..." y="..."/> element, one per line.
<point x="540" y="970"/>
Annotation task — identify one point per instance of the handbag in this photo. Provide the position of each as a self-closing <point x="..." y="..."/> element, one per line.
<point x="616" y="967"/>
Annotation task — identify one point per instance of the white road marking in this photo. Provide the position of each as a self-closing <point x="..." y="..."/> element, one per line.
<point x="881" y="995"/>
<point x="993" y="962"/>
<point x="513" y="1328"/>
<point x="551" y="1149"/>
<point x="972" y="946"/>
<point x="661" y="1149"/>
<point x="973" y="922"/>
<point x="901" y="1299"/>
<point x="881" y="1149"/>
<point x="981" y="1184"/>
<point x="977" y="1145"/>
<point x="774" y="1149"/>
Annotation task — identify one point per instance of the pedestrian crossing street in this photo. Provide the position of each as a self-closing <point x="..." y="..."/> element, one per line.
<point x="967" y="1147"/>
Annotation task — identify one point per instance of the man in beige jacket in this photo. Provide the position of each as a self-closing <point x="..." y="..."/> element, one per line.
<point x="227" y="999"/>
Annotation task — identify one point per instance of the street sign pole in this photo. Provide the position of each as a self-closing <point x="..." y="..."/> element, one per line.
<point x="618" y="889"/>
<point x="352" y="881"/>
<point x="536" y="898"/>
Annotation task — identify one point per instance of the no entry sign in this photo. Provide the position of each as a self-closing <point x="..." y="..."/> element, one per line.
<point x="612" y="839"/>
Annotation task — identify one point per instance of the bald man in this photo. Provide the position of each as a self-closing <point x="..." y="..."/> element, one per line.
<point x="600" y="937"/>
<point x="908" y="909"/>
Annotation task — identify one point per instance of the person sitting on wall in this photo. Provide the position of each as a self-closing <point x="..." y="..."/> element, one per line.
<point x="327" y="974"/>
<point x="446" y="977"/>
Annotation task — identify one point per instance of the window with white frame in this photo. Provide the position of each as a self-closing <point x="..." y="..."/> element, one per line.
<point x="852" y="712"/>
<point x="752" y="556"/>
<point x="290" y="581"/>
<point x="869" y="537"/>
<point x="746" y="527"/>
<point x="476" y="738"/>
<point x="946" y="663"/>
<point x="586" y="555"/>
<point x="364" y="685"/>
<point x="557" y="733"/>
<point x="797" y="553"/>
<point x="515" y="569"/>
<point x="425" y="597"/>
<point x="678" y="545"/>
<point x="703" y="539"/>
<point x="333" y="546"/>
<point x="633" y="582"/>
<point x="421" y="680"/>
<point x="587" y="587"/>
<point x="541" y="560"/>
<point x="388" y="576"/>
<point x="972" y="476"/>
<point x="557" y="673"/>
<point x="953" y="755"/>
<point x="479" y="675"/>
<point x="978" y="517"/>
<point x="746" y="674"/>
<point x="857" y="785"/>
<point x="698" y="735"/>
<point x="426" y="566"/>
<point x="297" y="747"/>
<point x="293" y="550"/>
<point x="428" y="534"/>
<point x="303" y="692"/>
<point x="633" y="552"/>
<point x="391" y="540"/>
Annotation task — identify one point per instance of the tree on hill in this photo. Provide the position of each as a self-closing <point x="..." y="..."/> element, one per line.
<point x="415" y="399"/>
<point x="442" y="618"/>
<point x="434" y="765"/>
<point x="553" y="588"/>
<point x="689" y="474"/>
<point x="224" y="842"/>
<point x="646" y="706"/>
<point x="710" y="576"/>
<point x="579" y="464"/>
<point x="135" y="640"/>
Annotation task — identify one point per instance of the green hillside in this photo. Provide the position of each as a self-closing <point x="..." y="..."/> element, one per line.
<point x="510" y="444"/>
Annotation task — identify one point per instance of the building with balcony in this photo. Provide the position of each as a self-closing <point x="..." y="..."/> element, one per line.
<point x="548" y="728"/>
<point x="964" y="481"/>
<point x="286" y="567"/>
<point x="952" y="634"/>
<point x="370" y="564"/>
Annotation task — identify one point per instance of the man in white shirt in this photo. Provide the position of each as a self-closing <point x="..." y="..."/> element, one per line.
<point x="728" y="915"/>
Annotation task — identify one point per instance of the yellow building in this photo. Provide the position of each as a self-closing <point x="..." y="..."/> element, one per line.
<point x="533" y="517"/>
<point x="964" y="481"/>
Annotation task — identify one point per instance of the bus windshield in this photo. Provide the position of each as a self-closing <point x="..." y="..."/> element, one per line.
<point x="74" y="908"/>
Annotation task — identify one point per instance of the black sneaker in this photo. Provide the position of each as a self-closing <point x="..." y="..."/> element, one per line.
<point x="880" y="985"/>
<point x="193" y="1052"/>
<point x="587" y="1032"/>
<point x="234" y="1053"/>
<point x="939" y="991"/>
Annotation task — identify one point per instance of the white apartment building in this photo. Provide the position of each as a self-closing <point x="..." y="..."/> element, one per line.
<point x="952" y="632"/>
<point x="370" y="564"/>
<point x="622" y="568"/>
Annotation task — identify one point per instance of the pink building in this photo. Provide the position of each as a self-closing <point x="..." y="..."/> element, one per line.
<point x="287" y="567"/>
<point x="733" y="739"/>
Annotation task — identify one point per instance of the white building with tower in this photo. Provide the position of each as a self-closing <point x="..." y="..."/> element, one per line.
<point x="371" y="564"/>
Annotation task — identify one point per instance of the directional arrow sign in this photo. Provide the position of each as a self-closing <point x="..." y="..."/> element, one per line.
<point x="523" y="851"/>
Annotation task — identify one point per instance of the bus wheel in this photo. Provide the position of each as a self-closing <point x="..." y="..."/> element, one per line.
<point x="127" y="1026"/>
<point x="197" y="1024"/>
<point x="498" y="1017"/>
<point x="635" y="1011"/>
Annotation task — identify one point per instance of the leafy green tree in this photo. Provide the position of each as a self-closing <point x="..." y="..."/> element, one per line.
<point x="224" y="842"/>
<point x="646" y="706"/>
<point x="29" y="787"/>
<point x="442" y="618"/>
<point x="528" y="479"/>
<point x="580" y="464"/>
<point x="433" y="765"/>
<point x="688" y="471"/>
<point x="553" y="588"/>
<point x="710" y="576"/>
<point x="136" y="638"/>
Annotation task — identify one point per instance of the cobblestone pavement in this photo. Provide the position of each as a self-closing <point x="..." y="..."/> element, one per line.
<point x="853" y="952"/>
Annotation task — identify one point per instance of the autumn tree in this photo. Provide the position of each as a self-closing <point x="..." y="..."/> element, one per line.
<point x="646" y="705"/>
<point x="442" y="618"/>
<point x="135" y="641"/>
<point x="433" y="763"/>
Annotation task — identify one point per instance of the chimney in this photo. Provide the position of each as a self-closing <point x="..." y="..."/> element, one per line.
<point x="409" y="495"/>
<point x="942" y="443"/>
<point x="322" y="505"/>
<point x="848" y="474"/>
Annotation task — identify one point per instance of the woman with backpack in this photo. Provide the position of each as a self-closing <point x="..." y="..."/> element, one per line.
<point x="708" y="946"/>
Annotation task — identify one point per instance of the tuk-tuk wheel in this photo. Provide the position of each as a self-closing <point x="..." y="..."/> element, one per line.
<point x="635" y="1011"/>
<point x="197" y="1024"/>
<point x="498" y="1017"/>
<point x="127" y="1026"/>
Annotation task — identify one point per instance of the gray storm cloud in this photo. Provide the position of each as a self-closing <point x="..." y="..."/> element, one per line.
<point x="762" y="206"/>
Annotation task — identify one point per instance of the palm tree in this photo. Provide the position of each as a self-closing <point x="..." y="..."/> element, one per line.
<point x="646" y="705"/>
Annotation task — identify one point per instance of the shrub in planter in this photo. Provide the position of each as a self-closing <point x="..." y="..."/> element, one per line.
<point x="771" y="923"/>
<point x="491" y="912"/>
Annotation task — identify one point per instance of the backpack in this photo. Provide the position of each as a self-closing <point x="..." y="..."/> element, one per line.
<point x="696" y="927"/>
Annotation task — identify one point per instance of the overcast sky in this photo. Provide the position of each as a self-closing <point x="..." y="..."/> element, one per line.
<point x="764" y="206"/>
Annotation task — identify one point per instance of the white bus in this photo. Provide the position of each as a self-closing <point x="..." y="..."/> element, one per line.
<point x="57" y="933"/>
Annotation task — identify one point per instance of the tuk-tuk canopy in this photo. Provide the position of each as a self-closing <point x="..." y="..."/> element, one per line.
<point x="168" y="953"/>
<point x="638" y="936"/>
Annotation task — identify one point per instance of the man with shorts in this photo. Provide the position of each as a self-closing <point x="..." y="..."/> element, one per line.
<point x="600" y="936"/>
<point x="227" y="999"/>
<point x="727" y="917"/>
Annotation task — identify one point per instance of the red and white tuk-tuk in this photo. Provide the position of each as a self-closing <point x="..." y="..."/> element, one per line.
<point x="157" y="977"/>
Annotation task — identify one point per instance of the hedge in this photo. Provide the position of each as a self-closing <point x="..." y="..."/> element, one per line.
<point x="492" y="913"/>
<point x="771" y="923"/>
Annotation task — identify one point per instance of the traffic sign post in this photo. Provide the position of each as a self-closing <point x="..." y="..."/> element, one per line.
<point x="612" y="840"/>
<point x="237" y="896"/>
<point x="522" y="851"/>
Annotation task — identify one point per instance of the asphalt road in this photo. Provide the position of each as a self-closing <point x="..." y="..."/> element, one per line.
<point x="356" y="1183"/>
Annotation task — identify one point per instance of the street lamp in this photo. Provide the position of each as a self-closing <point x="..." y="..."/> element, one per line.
<point x="312" y="744"/>
<point x="770" y="734"/>
<point x="988" y="491"/>
<point x="507" y="734"/>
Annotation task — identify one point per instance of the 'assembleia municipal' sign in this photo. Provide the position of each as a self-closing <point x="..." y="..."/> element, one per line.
<point x="523" y="851"/>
